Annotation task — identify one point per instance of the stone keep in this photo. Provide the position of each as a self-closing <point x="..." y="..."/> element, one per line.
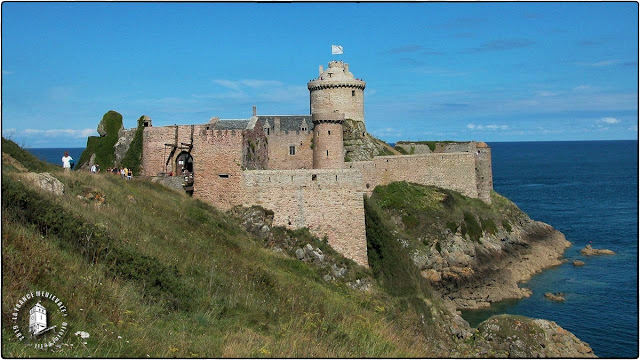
<point x="328" y="147"/>
<point x="336" y="89"/>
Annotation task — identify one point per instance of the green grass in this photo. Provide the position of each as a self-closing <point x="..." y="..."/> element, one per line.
<point x="152" y="272"/>
<point x="103" y="146"/>
<point x="133" y="158"/>
<point x="426" y="211"/>
<point x="28" y="160"/>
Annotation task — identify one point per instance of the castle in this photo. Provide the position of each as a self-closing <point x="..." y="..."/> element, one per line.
<point x="295" y="164"/>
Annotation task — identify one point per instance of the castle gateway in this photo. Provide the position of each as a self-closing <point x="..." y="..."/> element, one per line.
<point x="295" y="164"/>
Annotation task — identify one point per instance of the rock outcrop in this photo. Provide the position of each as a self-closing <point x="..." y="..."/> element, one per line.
<point x="359" y="145"/>
<point x="125" y="137"/>
<point x="589" y="251"/>
<point x="472" y="275"/>
<point x="578" y="263"/>
<point x="44" y="181"/>
<point x="508" y="336"/>
<point x="559" y="297"/>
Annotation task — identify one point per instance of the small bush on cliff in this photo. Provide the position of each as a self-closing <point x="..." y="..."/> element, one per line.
<point x="102" y="146"/>
<point x="471" y="227"/>
<point x="133" y="158"/>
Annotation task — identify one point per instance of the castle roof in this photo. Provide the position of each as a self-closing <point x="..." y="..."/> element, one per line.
<point x="288" y="122"/>
<point x="231" y="124"/>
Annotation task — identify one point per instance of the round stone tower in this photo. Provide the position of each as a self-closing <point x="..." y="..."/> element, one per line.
<point x="328" y="149"/>
<point x="336" y="89"/>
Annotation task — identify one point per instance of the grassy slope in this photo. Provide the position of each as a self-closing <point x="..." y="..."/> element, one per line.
<point x="423" y="213"/>
<point x="102" y="146"/>
<point x="244" y="300"/>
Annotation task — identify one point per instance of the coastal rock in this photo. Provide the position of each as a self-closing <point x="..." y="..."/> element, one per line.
<point x="589" y="251"/>
<point x="555" y="297"/>
<point x="518" y="336"/>
<point x="578" y="263"/>
<point x="122" y="145"/>
<point x="45" y="181"/>
<point x="472" y="275"/>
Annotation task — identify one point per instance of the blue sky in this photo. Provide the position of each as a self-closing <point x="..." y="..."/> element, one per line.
<point x="434" y="71"/>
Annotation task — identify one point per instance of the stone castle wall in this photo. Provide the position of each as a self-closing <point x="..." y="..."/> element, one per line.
<point x="279" y="143"/>
<point x="327" y="100"/>
<point x="155" y="152"/>
<point x="328" y="147"/>
<point x="327" y="201"/>
<point x="456" y="171"/>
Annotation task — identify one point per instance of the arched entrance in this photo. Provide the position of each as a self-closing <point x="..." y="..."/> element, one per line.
<point x="184" y="168"/>
<point x="184" y="162"/>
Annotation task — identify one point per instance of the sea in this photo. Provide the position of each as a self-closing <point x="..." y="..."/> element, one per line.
<point x="589" y="191"/>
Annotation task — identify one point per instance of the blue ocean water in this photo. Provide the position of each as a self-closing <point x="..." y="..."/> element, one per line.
<point x="589" y="191"/>
<point x="54" y="155"/>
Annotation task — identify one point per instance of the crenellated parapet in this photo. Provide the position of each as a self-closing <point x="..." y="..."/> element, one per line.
<point x="337" y="90"/>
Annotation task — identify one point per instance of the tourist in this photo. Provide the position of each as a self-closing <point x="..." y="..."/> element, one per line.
<point x="93" y="168"/>
<point x="129" y="174"/>
<point x="67" y="161"/>
<point x="123" y="172"/>
<point x="97" y="168"/>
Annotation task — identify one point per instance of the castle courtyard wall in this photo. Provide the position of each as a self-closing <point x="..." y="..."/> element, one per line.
<point x="327" y="201"/>
<point x="455" y="171"/>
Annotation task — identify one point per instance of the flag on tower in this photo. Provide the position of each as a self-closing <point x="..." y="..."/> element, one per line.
<point x="336" y="49"/>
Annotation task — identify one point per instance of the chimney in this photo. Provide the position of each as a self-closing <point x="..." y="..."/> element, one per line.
<point x="320" y="70"/>
<point x="255" y="110"/>
<point x="276" y="124"/>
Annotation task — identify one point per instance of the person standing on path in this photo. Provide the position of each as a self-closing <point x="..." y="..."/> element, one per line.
<point x="66" y="161"/>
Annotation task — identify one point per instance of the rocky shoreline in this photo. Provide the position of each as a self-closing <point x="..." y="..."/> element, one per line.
<point x="476" y="275"/>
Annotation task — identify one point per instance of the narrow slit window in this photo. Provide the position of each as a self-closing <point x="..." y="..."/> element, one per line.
<point x="329" y="132"/>
<point x="327" y="153"/>
<point x="314" y="177"/>
<point x="292" y="150"/>
<point x="353" y="93"/>
<point x="224" y="176"/>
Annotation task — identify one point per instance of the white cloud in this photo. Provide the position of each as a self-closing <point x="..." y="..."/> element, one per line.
<point x="609" y="120"/>
<point x="6" y="72"/>
<point x="583" y="88"/>
<point x="74" y="133"/>
<point x="487" y="127"/>
<point x="251" y="83"/>
<point x="547" y="93"/>
<point x="600" y="63"/>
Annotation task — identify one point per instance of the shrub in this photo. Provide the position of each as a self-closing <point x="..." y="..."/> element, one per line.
<point x="471" y="227"/>
<point x="489" y="226"/>
<point x="133" y="158"/>
<point x="506" y="226"/>
<point x="102" y="146"/>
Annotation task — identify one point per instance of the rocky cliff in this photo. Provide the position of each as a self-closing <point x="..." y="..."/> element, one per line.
<point x="359" y="145"/>
<point x="472" y="253"/>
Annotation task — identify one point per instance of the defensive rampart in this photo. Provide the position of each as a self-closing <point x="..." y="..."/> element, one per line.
<point x="456" y="171"/>
<point x="327" y="201"/>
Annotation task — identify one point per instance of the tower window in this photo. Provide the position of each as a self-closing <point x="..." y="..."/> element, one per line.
<point x="329" y="132"/>
<point x="292" y="150"/>
<point x="314" y="177"/>
<point x="353" y="93"/>
<point x="327" y="153"/>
